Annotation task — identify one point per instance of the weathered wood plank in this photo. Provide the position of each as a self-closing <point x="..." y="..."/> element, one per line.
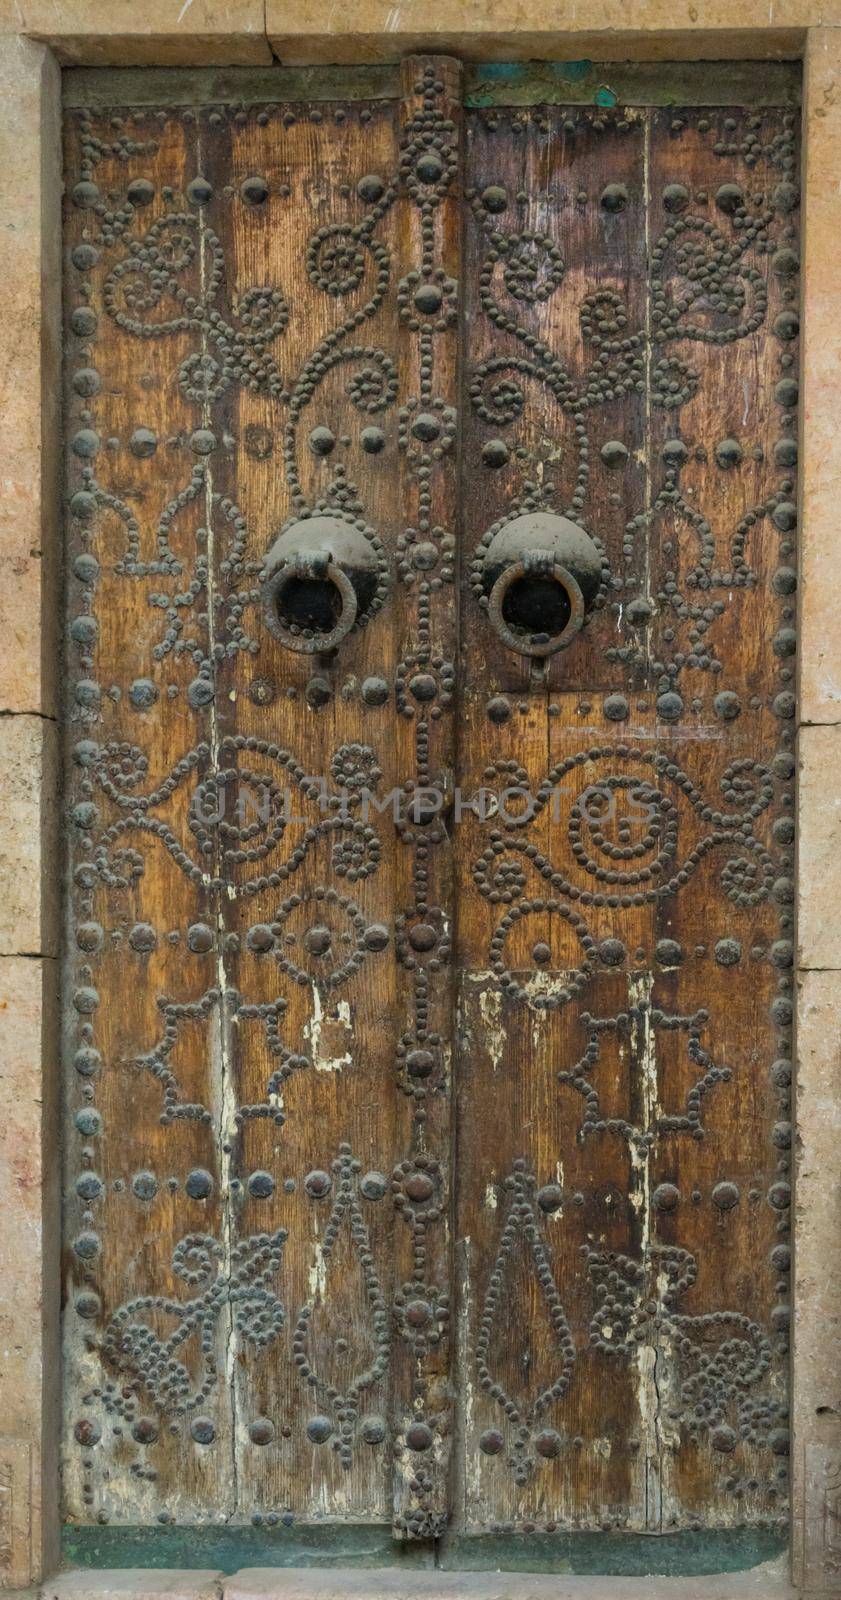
<point x="275" y="311"/>
<point x="312" y="1077"/>
<point x="143" y="1036"/>
<point x="722" y="579"/>
<point x="664" y="853"/>
<point x="277" y="237"/>
<point x="556" y="309"/>
<point x="633" y="83"/>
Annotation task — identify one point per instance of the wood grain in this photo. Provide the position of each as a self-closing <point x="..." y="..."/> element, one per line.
<point x="427" y="1158"/>
<point x="248" y="320"/>
<point x="624" y="968"/>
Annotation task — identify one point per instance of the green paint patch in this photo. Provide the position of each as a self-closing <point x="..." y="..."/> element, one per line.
<point x="495" y="81"/>
<point x="632" y="83"/>
<point x="227" y="1548"/>
<point x="640" y="1555"/>
<point x="492" y="83"/>
<point x="102" y="87"/>
<point x="510" y="72"/>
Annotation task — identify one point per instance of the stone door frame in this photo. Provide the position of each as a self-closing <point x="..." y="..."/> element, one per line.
<point x="35" y="42"/>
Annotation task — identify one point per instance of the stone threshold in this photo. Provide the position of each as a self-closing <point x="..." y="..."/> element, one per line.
<point x="769" y="1581"/>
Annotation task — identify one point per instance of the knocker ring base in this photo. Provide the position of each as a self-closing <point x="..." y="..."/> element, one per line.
<point x="538" y="642"/>
<point x="539" y="576"/>
<point x="309" y="576"/>
<point x="321" y="578"/>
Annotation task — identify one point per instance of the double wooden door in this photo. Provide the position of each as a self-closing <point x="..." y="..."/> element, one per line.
<point x="430" y="632"/>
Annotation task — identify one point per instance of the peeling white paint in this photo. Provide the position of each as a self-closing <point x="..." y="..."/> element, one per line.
<point x="490" y="1010"/>
<point x="472" y="1464"/>
<point x="646" y="1357"/>
<point x="643" y="1044"/>
<point x="317" y="1276"/>
<point x="314" y="1029"/>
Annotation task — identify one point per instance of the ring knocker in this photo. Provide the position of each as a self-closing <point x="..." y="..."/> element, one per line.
<point x="516" y="632"/>
<point x="539" y="575"/>
<point x="301" y="596"/>
<point x="320" y="578"/>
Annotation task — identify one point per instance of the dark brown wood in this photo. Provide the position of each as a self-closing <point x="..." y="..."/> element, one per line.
<point x="625" y="1045"/>
<point x="300" y="1285"/>
<point x="258" y="357"/>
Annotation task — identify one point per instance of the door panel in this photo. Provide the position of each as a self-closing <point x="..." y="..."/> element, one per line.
<point x="556" y="288"/>
<point x="272" y="1023"/>
<point x="372" y="398"/>
<point x="624" y="952"/>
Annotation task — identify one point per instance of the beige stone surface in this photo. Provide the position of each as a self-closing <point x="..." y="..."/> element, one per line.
<point x="766" y="1582"/>
<point x="196" y="32"/>
<point x="610" y="30"/>
<point x="231" y="31"/>
<point x="29" y="865"/>
<point x="29" y="563"/>
<point x="820" y="405"/>
<point x="29" y="1243"/>
<point x="343" y="45"/>
<point x="134" y="1583"/>
<point x="30" y="299"/>
<point x="819" y="847"/>
<point x="132" y="33"/>
<point x="816" y="1410"/>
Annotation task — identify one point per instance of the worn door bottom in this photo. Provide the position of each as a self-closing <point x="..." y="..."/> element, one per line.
<point x="370" y="1547"/>
<point x="769" y="1580"/>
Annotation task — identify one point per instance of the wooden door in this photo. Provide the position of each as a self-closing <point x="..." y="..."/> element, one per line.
<point x="625" y="928"/>
<point x="429" y="793"/>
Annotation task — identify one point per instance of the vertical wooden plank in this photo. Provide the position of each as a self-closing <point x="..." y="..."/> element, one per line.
<point x="555" y="422"/>
<point x="429" y="310"/>
<point x="346" y="949"/>
<point x="724" y="318"/>
<point x="145" y="1326"/>
<point x="644" y="918"/>
<point x="313" y="1121"/>
<point x="291" y="280"/>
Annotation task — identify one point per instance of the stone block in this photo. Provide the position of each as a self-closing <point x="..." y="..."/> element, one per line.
<point x="29" y="1249"/>
<point x="819" y="645"/>
<point x="816" y="1415"/>
<point x="818" y="877"/>
<point x="133" y="1583"/>
<point x="30" y="336"/>
<point x="29" y="866"/>
<point x="158" y="33"/>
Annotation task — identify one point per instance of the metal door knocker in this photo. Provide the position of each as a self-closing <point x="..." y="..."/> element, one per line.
<point x="539" y="575"/>
<point x="323" y="574"/>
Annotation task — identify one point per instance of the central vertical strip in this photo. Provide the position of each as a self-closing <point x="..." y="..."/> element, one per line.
<point x="428" y="270"/>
